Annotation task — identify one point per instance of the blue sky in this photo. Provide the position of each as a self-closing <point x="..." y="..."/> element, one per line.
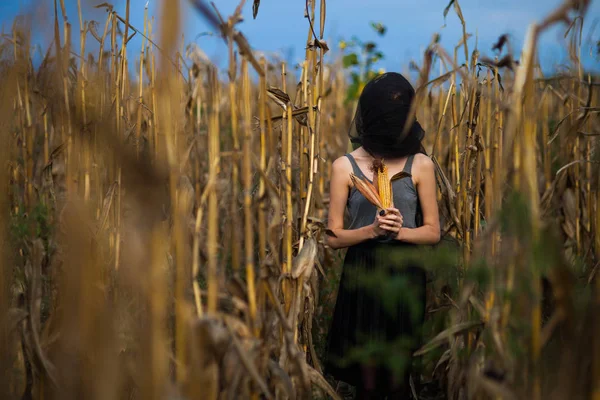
<point x="280" y="27"/>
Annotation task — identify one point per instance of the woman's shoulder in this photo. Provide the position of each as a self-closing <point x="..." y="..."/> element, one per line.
<point x="423" y="161"/>
<point x="422" y="166"/>
<point x="341" y="164"/>
<point x="340" y="168"/>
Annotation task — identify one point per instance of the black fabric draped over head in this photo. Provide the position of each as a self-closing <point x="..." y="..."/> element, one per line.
<point x="381" y="115"/>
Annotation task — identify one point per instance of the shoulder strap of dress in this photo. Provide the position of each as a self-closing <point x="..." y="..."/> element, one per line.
<point x="355" y="168"/>
<point x="409" y="163"/>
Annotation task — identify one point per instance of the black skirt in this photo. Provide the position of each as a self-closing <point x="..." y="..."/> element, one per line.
<point x="378" y="314"/>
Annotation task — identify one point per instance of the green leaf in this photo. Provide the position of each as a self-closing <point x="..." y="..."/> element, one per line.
<point x="356" y="40"/>
<point x="350" y="60"/>
<point x="370" y="75"/>
<point x="372" y="60"/>
<point x="370" y="47"/>
<point x="479" y="273"/>
<point x="352" y="92"/>
<point x="379" y="28"/>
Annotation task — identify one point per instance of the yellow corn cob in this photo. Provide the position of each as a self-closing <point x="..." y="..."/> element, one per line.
<point x="383" y="184"/>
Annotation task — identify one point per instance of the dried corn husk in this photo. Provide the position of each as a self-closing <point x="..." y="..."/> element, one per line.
<point x="367" y="190"/>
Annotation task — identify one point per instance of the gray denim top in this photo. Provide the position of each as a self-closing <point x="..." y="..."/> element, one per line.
<point x="362" y="212"/>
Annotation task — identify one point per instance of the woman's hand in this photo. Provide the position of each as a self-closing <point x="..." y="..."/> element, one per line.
<point x="338" y="198"/>
<point x="376" y="228"/>
<point x="390" y="222"/>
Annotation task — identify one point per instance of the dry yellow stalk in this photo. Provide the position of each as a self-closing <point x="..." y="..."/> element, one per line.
<point x="85" y="104"/>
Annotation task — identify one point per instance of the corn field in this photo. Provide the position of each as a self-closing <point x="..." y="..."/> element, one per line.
<point x="164" y="231"/>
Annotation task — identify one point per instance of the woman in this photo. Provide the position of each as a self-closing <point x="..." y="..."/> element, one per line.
<point x="362" y="316"/>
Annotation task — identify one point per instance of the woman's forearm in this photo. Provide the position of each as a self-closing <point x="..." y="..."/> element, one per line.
<point x="350" y="237"/>
<point x="426" y="234"/>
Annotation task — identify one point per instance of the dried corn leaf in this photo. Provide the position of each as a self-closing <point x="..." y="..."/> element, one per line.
<point x="238" y="327"/>
<point x="447" y="9"/>
<point x="108" y="6"/>
<point x="446" y="335"/>
<point x="283" y="382"/>
<point x="569" y="205"/>
<point x="204" y="367"/>
<point x="371" y="186"/>
<point x="305" y="260"/>
<point x="318" y="44"/>
<point x="106" y="205"/>
<point x="499" y="45"/>
<point x="494" y="388"/>
<point x="237" y="288"/>
<point x="13" y="318"/>
<point x="317" y="379"/>
<point x="400" y="175"/>
<point x="569" y="230"/>
<point x="248" y="362"/>
<point x="444" y="358"/>
<point x="279" y="96"/>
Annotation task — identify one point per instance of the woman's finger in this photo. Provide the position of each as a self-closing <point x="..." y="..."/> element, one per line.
<point x="390" y="223"/>
<point x="391" y="218"/>
<point x="390" y="228"/>
<point x="394" y="211"/>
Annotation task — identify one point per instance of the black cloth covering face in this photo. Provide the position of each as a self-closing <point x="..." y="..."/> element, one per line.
<point x="382" y="113"/>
